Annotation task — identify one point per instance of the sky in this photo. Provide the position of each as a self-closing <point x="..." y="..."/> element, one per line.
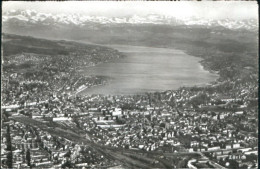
<point x="206" y="9"/>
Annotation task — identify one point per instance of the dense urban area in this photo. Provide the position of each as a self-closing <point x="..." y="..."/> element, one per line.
<point x="47" y="123"/>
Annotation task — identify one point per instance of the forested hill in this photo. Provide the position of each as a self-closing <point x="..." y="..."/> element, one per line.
<point x="16" y="44"/>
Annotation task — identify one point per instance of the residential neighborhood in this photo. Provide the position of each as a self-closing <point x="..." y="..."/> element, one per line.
<point x="222" y="131"/>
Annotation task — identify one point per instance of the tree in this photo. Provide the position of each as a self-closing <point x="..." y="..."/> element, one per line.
<point x="199" y="99"/>
<point x="8" y="139"/>
<point x="41" y="145"/>
<point x="67" y="164"/>
<point x="9" y="161"/>
<point x="68" y="154"/>
<point x="162" y="125"/>
<point x="28" y="157"/>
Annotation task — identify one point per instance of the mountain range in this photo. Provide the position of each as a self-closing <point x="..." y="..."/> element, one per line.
<point x="31" y="17"/>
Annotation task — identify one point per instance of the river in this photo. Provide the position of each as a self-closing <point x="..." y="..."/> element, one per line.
<point x="148" y="69"/>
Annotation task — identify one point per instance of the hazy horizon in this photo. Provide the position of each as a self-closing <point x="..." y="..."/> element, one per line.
<point x="206" y="10"/>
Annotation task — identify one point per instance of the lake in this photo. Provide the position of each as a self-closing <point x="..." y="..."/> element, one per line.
<point x="148" y="69"/>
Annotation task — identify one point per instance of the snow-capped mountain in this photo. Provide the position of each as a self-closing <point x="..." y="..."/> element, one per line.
<point x="250" y="24"/>
<point x="28" y="17"/>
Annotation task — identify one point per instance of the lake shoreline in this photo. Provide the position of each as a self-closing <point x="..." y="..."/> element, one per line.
<point x="204" y="65"/>
<point x="155" y="51"/>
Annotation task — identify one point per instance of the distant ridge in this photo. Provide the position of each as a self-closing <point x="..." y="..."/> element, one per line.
<point x="31" y="17"/>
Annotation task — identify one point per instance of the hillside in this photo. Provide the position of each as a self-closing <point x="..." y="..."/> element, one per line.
<point x="40" y="67"/>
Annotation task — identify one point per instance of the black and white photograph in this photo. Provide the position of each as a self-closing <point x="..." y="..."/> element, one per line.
<point x="129" y="84"/>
